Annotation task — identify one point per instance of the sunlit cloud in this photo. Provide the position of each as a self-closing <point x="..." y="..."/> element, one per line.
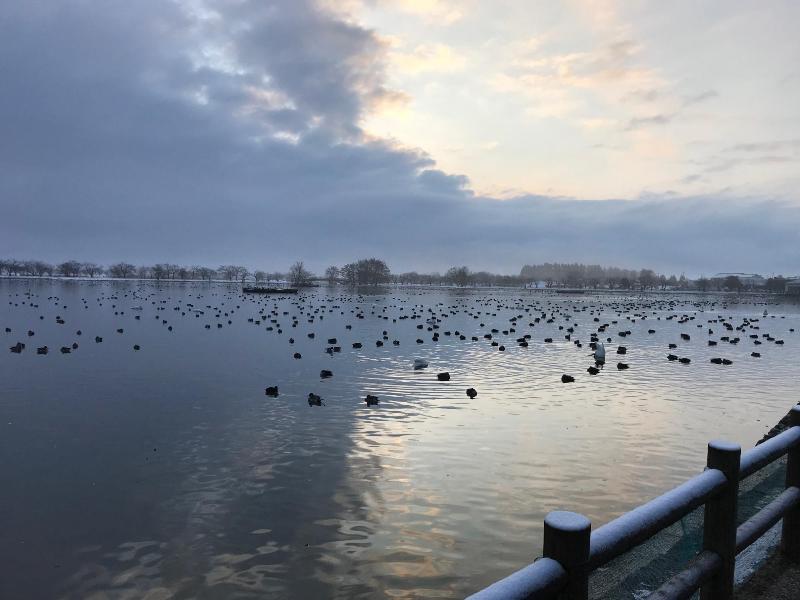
<point x="350" y="122"/>
<point x="428" y="58"/>
<point x="444" y="12"/>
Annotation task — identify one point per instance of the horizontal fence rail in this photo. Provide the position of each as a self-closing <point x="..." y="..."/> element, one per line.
<point x="571" y="551"/>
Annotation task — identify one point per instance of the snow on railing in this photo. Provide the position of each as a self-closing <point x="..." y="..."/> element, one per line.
<point x="571" y="551"/>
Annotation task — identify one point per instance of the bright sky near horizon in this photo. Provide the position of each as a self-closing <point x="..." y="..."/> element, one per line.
<point x="428" y="133"/>
<point x="596" y="98"/>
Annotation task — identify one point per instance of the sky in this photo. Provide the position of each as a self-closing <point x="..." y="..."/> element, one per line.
<point x="429" y="133"/>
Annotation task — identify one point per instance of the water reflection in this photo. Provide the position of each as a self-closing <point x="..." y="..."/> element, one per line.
<point x="166" y="473"/>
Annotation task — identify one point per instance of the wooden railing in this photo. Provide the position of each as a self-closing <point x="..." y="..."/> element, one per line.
<point x="571" y="551"/>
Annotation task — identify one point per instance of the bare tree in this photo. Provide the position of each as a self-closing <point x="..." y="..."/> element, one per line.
<point x="206" y="273"/>
<point x="42" y="268"/>
<point x="733" y="283"/>
<point x="91" y="269"/>
<point x="122" y="270"/>
<point x="159" y="271"/>
<point x="259" y="276"/>
<point x="332" y="274"/>
<point x="647" y="279"/>
<point x="232" y="272"/>
<point x="459" y="276"/>
<point x="298" y="275"/>
<point x="70" y="268"/>
<point x="368" y="271"/>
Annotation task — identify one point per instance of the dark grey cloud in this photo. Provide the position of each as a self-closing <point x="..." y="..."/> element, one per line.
<point x="146" y="131"/>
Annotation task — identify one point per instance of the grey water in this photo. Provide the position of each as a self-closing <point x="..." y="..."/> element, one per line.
<point x="166" y="472"/>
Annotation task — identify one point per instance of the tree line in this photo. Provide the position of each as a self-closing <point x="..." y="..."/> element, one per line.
<point x="374" y="271"/>
<point x="125" y="270"/>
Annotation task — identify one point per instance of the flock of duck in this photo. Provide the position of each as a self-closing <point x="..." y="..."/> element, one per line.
<point x="604" y="321"/>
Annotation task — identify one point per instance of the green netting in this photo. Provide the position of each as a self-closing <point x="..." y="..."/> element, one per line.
<point x="640" y="571"/>
<point x="761" y="488"/>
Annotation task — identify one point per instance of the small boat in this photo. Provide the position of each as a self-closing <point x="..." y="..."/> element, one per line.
<point x="263" y="290"/>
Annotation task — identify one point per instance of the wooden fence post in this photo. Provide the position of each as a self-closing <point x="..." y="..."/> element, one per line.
<point x="790" y="536"/>
<point x="719" y="522"/>
<point x="566" y="539"/>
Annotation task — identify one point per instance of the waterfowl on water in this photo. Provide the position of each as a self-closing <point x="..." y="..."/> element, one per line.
<point x="600" y="353"/>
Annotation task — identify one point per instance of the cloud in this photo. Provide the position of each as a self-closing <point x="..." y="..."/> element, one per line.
<point x="575" y="85"/>
<point x="701" y="97"/>
<point x="639" y="122"/>
<point x="231" y="132"/>
<point x="443" y="12"/>
<point x="666" y="118"/>
<point x="428" y="58"/>
<point x="764" y="154"/>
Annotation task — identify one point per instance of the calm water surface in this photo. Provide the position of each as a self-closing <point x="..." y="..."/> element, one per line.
<point x="167" y="473"/>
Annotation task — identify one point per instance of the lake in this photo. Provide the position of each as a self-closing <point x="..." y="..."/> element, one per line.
<point x="166" y="472"/>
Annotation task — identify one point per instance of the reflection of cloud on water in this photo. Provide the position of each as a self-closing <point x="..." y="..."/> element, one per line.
<point x="249" y="474"/>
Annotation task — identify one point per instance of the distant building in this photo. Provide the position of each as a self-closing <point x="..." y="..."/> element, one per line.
<point x="793" y="286"/>
<point x="749" y="280"/>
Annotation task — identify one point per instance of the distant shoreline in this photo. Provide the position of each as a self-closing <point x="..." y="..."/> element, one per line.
<point x="564" y="291"/>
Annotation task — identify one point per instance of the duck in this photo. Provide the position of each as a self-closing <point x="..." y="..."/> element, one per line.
<point x="472" y="392"/>
<point x="420" y="363"/>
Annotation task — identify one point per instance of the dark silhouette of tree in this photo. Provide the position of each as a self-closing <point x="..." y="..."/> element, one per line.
<point x="368" y="271"/>
<point x="332" y="274"/>
<point x="776" y="284"/>
<point x="70" y="268"/>
<point x="732" y="283"/>
<point x="121" y="270"/>
<point x="459" y="276"/>
<point x="299" y="276"/>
